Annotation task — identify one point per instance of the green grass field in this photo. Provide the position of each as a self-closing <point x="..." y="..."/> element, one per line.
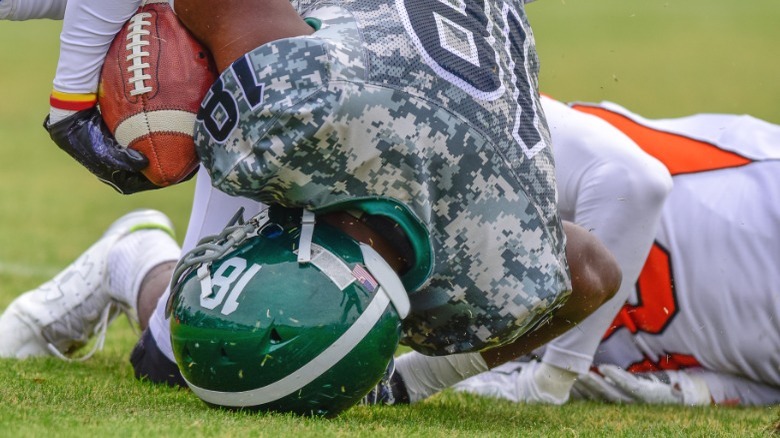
<point x="658" y="58"/>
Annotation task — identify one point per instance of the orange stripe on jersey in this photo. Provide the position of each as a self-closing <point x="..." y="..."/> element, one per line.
<point x="670" y="361"/>
<point x="622" y="319"/>
<point x="657" y="303"/>
<point x="678" y="153"/>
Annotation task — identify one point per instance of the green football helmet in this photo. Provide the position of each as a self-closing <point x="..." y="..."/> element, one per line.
<point x="277" y="314"/>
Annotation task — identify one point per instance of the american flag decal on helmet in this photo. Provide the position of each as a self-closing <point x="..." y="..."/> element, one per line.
<point x="364" y="277"/>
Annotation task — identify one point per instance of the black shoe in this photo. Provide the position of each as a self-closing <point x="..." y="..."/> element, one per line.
<point x="391" y="390"/>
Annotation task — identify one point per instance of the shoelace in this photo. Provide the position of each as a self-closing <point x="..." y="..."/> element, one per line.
<point x="382" y="393"/>
<point x="101" y="328"/>
<point x="75" y="324"/>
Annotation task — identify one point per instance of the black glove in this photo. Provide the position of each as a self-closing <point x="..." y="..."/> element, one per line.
<point x="86" y="138"/>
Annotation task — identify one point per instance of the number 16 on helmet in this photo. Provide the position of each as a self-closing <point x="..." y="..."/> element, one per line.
<point x="279" y="315"/>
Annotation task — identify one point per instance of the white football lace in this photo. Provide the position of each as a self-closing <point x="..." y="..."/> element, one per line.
<point x="136" y="44"/>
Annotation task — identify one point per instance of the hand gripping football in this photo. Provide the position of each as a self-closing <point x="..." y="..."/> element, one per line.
<point x="151" y="87"/>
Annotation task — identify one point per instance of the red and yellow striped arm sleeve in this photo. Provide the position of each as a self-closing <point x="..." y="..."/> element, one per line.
<point x="72" y="101"/>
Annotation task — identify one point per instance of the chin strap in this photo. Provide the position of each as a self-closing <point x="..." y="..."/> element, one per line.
<point x="307" y="232"/>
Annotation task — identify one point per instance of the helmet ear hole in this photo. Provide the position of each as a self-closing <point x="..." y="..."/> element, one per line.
<point x="186" y="354"/>
<point x="274" y="336"/>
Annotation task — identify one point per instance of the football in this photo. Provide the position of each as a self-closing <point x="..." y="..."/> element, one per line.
<point x="151" y="86"/>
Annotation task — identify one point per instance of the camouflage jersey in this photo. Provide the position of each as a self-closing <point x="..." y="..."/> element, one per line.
<point x="426" y="112"/>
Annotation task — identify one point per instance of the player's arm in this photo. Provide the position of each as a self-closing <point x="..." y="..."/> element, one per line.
<point x="88" y="28"/>
<point x="250" y="25"/>
<point x="74" y="122"/>
<point x="609" y="186"/>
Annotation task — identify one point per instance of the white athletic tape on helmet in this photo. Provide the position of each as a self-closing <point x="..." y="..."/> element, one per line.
<point x="139" y="125"/>
<point x="307" y="373"/>
<point x="331" y="265"/>
<point x="307" y="233"/>
<point x="388" y="279"/>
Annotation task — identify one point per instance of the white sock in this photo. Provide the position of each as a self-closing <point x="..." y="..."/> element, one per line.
<point x="133" y="257"/>
<point x="553" y="381"/>
<point x="427" y="375"/>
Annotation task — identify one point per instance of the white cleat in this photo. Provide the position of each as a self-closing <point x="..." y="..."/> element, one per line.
<point x="63" y="314"/>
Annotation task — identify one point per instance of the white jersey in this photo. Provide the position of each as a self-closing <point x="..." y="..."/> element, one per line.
<point x="709" y="293"/>
<point x="609" y="186"/>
